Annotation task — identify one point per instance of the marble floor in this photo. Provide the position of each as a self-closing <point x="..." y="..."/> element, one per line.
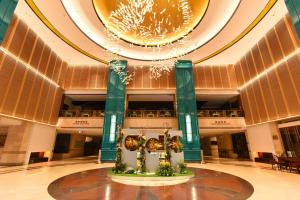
<point x="32" y="181"/>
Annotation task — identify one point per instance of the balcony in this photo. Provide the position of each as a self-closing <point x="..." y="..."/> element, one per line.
<point x="151" y="119"/>
<point x="150" y="114"/>
<point x="220" y="113"/>
<point x="82" y="113"/>
<point x="208" y="120"/>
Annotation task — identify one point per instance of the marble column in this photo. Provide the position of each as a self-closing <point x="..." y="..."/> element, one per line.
<point x="16" y="144"/>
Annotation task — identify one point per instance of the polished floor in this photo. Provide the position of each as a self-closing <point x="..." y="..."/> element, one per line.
<point x="32" y="182"/>
<point x="95" y="184"/>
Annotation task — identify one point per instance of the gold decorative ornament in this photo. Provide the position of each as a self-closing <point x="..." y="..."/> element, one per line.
<point x="131" y="142"/>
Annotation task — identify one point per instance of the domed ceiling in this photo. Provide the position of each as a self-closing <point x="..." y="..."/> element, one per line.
<point x="144" y="24"/>
<point x="218" y="31"/>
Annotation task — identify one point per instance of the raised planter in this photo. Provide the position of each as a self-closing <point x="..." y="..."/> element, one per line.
<point x="150" y="179"/>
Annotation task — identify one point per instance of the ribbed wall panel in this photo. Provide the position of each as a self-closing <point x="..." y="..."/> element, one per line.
<point x="25" y="94"/>
<point x="276" y="94"/>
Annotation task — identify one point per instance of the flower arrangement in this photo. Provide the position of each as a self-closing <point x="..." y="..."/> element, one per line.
<point x="165" y="169"/>
<point x="168" y="145"/>
<point x="141" y="159"/>
<point x="120" y="167"/>
<point x="182" y="168"/>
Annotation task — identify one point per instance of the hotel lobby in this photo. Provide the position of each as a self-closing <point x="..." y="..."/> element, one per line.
<point x="150" y="99"/>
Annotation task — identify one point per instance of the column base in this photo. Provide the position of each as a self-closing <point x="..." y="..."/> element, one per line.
<point x="108" y="155"/>
<point x="192" y="155"/>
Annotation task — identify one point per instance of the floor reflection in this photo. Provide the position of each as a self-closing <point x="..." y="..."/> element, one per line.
<point x="94" y="184"/>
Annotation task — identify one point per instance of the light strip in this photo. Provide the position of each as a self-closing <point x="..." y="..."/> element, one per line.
<point x="210" y="65"/>
<point x="274" y="120"/>
<point x="37" y="72"/>
<point x="265" y="72"/>
<point x="261" y="15"/>
<point x="27" y="120"/>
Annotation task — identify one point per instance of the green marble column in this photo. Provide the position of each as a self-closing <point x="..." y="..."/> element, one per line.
<point x="187" y="110"/>
<point x="7" y="8"/>
<point x="293" y="7"/>
<point x="114" y="112"/>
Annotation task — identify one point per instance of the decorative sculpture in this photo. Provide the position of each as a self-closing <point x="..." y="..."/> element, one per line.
<point x="131" y="142"/>
<point x="120" y="167"/>
<point x="141" y="159"/>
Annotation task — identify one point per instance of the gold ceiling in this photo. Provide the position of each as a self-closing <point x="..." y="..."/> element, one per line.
<point x="164" y="23"/>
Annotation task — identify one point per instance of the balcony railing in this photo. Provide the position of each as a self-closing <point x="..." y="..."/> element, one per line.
<point x="82" y="113"/>
<point x="220" y="113"/>
<point x="150" y="113"/>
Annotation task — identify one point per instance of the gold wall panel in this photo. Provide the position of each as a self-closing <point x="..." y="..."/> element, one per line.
<point x="24" y="94"/>
<point x="276" y="94"/>
<point x="85" y="77"/>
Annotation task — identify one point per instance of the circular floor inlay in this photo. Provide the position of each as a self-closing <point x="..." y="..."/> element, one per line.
<point x="95" y="184"/>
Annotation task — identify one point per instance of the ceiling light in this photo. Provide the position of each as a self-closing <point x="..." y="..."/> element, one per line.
<point x="129" y="19"/>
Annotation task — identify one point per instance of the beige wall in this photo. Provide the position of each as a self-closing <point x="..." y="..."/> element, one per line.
<point x="264" y="138"/>
<point x="26" y="138"/>
<point x="276" y="94"/>
<point x="3" y="131"/>
<point x="42" y="139"/>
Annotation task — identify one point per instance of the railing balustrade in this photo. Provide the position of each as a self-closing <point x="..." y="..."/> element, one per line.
<point x="152" y="113"/>
<point x="220" y="113"/>
<point x="82" y="113"/>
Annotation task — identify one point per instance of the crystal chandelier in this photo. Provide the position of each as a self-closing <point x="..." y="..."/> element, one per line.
<point x="129" y="18"/>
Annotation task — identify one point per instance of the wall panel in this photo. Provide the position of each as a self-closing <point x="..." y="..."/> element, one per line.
<point x="293" y="65"/>
<point x="260" y="102"/>
<point x="37" y="52"/>
<point x="268" y="97"/>
<point x="274" y="95"/>
<point x="254" y="104"/>
<point x="250" y="64"/>
<point x="28" y="46"/>
<point x="288" y="88"/>
<point x="232" y="77"/>
<point x="146" y="78"/>
<point x="246" y="107"/>
<point x="257" y="59"/>
<point x="274" y="46"/>
<point x="24" y="93"/>
<point x="7" y="71"/>
<point x="284" y="37"/>
<point x="18" y="37"/>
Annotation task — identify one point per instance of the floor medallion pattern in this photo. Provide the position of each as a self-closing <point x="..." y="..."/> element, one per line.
<point x="95" y="184"/>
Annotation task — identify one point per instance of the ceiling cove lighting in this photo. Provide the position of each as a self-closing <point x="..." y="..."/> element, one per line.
<point x="128" y="50"/>
<point x="32" y="69"/>
<point x="283" y="60"/>
<point x="27" y="120"/>
<point x="148" y="22"/>
<point x="274" y="120"/>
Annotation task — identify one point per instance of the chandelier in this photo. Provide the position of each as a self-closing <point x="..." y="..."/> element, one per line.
<point x="149" y="25"/>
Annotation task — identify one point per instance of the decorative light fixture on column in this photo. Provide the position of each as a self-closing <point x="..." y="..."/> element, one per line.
<point x="151" y="24"/>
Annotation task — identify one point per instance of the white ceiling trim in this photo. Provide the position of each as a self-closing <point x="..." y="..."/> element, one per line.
<point x="86" y="19"/>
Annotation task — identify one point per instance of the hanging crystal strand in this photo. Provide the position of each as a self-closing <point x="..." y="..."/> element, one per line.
<point x="129" y="17"/>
